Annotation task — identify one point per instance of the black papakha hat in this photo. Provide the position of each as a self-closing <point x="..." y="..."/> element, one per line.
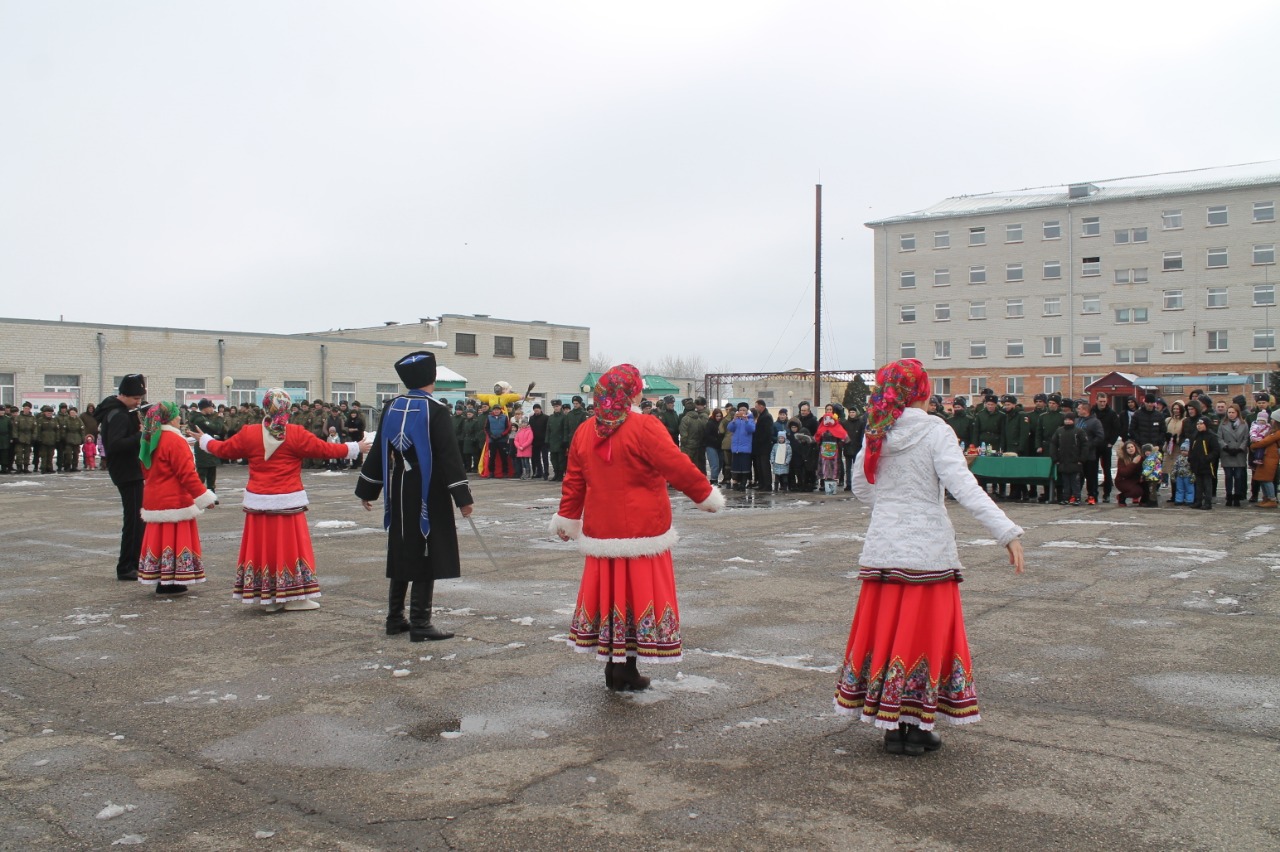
<point x="134" y="384"/>
<point x="417" y="369"/>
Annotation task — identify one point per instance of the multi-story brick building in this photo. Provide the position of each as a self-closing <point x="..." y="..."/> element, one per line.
<point x="1171" y="277"/>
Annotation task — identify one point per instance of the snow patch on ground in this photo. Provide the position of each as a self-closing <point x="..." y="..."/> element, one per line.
<point x="335" y="525"/>
<point x="799" y="661"/>
<point x="1195" y="554"/>
<point x="1082" y="521"/>
<point x="25" y="483"/>
<point x="739" y="559"/>
<point x="1261" y="529"/>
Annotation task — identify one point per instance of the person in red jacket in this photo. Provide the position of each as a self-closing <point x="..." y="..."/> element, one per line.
<point x="277" y="567"/>
<point x="173" y="496"/>
<point x="614" y="502"/>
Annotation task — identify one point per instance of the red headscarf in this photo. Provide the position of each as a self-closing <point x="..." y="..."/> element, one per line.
<point x="900" y="384"/>
<point x="612" y="395"/>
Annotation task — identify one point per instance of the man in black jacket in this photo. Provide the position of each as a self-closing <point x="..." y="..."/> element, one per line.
<point x="120" y="426"/>
<point x="1111" y="428"/>
<point x="541" y="460"/>
<point x="762" y="441"/>
<point x="1147" y="426"/>
<point x="1096" y="436"/>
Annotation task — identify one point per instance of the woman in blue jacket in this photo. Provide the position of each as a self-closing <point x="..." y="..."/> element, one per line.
<point x="742" y="427"/>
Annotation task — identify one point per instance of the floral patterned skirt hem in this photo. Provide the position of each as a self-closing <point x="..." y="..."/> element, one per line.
<point x="277" y="563"/>
<point x="627" y="607"/>
<point x="171" y="554"/>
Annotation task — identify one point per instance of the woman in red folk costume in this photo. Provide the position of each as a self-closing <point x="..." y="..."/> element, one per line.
<point x="907" y="659"/>
<point x="614" y="502"/>
<point x="172" y="498"/>
<point x="277" y="567"/>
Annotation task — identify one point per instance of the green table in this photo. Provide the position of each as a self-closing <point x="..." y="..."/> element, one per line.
<point x="1024" y="469"/>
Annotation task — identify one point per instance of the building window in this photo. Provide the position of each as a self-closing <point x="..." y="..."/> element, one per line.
<point x="1258" y="381"/>
<point x="1053" y="269"/>
<point x="1015" y="385"/>
<point x="1132" y="356"/>
<point x="464" y="344"/>
<point x="1053" y="384"/>
<point x="1173" y="389"/>
<point x="977" y="236"/>
<point x="977" y="310"/>
<point x="1173" y="261"/>
<point x="976" y="384"/>
<point x="1013" y="233"/>
<point x="907" y="313"/>
<point x="1013" y="272"/>
<point x="188" y="391"/>
<point x="1264" y="254"/>
<point x="977" y="275"/>
<point x="1216" y="215"/>
<point x="941" y="239"/>
<point x="569" y="351"/>
<point x="907" y="280"/>
<point x="537" y="348"/>
<point x="242" y="391"/>
<point x="1264" y="295"/>
<point x="1173" y="341"/>
<point x="1131" y="235"/>
<point x="907" y="242"/>
<point x="1264" y="211"/>
<point x="942" y="312"/>
<point x="1171" y="220"/>
<point x="1014" y="348"/>
<point x="942" y="277"/>
<point x="1052" y="230"/>
<point x="1090" y="267"/>
<point x="343" y="392"/>
<point x="1264" y="338"/>
<point x="384" y="391"/>
<point x="503" y="346"/>
<point x="1053" y="306"/>
<point x="1217" y="341"/>
<point x="1013" y="308"/>
<point x="908" y="350"/>
<point x="1216" y="297"/>
<point x="1173" y="300"/>
<point x="1090" y="304"/>
<point x="942" y="386"/>
<point x="1090" y="226"/>
<point x="1124" y="316"/>
<point x="941" y="349"/>
<point x="1091" y="345"/>
<point x="7" y="385"/>
<point x="1132" y="276"/>
<point x="1216" y="387"/>
<point x="299" y="388"/>
<point x="1053" y="346"/>
<point x="1216" y="258"/>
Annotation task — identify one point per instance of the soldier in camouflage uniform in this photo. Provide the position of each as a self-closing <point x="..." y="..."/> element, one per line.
<point x="206" y="419"/>
<point x="72" y="440"/>
<point x="48" y="437"/>
<point x="24" y="436"/>
<point x="60" y="454"/>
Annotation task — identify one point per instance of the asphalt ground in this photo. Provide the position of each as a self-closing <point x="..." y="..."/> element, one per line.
<point x="1128" y="682"/>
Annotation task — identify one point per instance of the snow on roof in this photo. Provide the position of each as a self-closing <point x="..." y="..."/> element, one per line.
<point x="1261" y="173"/>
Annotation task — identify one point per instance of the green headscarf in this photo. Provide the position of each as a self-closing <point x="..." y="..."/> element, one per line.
<point x="158" y="415"/>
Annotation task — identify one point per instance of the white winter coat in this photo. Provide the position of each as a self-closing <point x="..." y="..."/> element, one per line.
<point x="909" y="523"/>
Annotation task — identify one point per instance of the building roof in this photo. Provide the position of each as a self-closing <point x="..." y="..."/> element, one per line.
<point x="652" y="384"/>
<point x="1265" y="173"/>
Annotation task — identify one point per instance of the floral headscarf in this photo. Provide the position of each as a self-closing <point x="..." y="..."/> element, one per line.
<point x="158" y="415"/>
<point x="276" y="404"/>
<point x="899" y="384"/>
<point x="612" y="397"/>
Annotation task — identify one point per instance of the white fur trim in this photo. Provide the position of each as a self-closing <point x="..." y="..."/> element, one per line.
<point x="714" y="501"/>
<point x="275" y="502"/>
<point x="573" y="528"/>
<point x="205" y="438"/>
<point x="353" y="450"/>
<point x="169" y="516"/>
<point x="208" y="498"/>
<point x="613" y="548"/>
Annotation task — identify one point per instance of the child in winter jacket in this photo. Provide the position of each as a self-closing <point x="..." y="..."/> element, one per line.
<point x="523" y="440"/>
<point x="1184" y="483"/>
<point x="1067" y="448"/>
<point x="1152" y="471"/>
<point x="780" y="462"/>
<point x="332" y="438"/>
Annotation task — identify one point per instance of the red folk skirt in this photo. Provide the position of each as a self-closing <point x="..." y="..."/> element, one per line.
<point x="627" y="608"/>
<point x="171" y="554"/>
<point x="908" y="657"/>
<point x="276" y="562"/>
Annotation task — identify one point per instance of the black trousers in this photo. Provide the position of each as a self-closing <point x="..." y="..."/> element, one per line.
<point x="559" y="458"/>
<point x="1089" y="473"/>
<point x="1204" y="488"/>
<point x="132" y="530"/>
<point x="209" y="476"/>
<point x="541" y="459"/>
<point x="762" y="470"/>
<point x="1104" y="461"/>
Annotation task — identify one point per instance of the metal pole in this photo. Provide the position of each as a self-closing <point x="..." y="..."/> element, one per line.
<point x="817" y="300"/>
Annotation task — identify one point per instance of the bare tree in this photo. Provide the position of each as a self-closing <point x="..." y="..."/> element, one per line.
<point x="599" y="362"/>
<point x="679" y="366"/>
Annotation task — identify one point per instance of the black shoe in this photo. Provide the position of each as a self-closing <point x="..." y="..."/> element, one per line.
<point x="629" y="677"/>
<point x="423" y="632"/>
<point x="919" y="741"/>
<point x="131" y="577"/>
<point x="894" y="740"/>
<point x="170" y="589"/>
<point x="396" y="626"/>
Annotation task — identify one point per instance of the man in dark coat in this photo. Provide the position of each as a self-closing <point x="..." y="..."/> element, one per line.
<point x="1096" y="436"/>
<point x="960" y="421"/>
<point x="415" y="441"/>
<point x="538" y="423"/>
<point x="121" y="429"/>
<point x="1147" y="426"/>
<point x="1112" y="429"/>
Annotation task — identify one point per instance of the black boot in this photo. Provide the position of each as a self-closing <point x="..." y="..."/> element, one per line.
<point x="420" y="626"/>
<point x="918" y="741"/>
<point x="629" y="677"/>
<point x="396" y="622"/>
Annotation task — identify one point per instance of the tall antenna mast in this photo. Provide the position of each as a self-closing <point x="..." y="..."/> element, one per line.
<point x="817" y="301"/>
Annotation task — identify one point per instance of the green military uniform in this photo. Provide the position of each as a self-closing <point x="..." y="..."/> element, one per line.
<point x="24" y="435"/>
<point x="962" y="424"/>
<point x="693" y="428"/>
<point x="574" y="418"/>
<point x="988" y="428"/>
<point x="72" y="440"/>
<point x="63" y="461"/>
<point x="207" y="463"/>
<point x="48" y="437"/>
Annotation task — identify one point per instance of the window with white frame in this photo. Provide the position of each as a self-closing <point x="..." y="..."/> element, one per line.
<point x="343" y="392"/>
<point x="188" y="391"/>
<point x="1013" y="308"/>
<point x="907" y="313"/>
<point x="1264" y="254"/>
<point x="1013" y="272"/>
<point x="1132" y="356"/>
<point x="1125" y="316"/>
<point x="1015" y="385"/>
<point x="1125" y="236"/>
<point x="941" y="239"/>
<point x="1091" y="345"/>
<point x="1090" y="226"/>
<point x="1216" y="215"/>
<point x="1014" y="348"/>
<point x="1217" y="340"/>
<point x="1136" y="275"/>
<point x="1171" y="220"/>
<point x="1216" y="258"/>
<point x="1052" y="230"/>
<point x="978" y="310"/>
<point x="976" y="384"/>
<point x="1142" y="355"/>
<point x="907" y="280"/>
<point x="1052" y="306"/>
<point x="942" y="277"/>
<point x="977" y="348"/>
<point x="1090" y="266"/>
<point x="242" y="391"/>
<point x="977" y="275"/>
<point x="908" y="350"/>
<point x="384" y="391"/>
<point x="1264" y="295"/>
<point x="942" y="312"/>
<point x="1122" y="357"/>
<point x="978" y="236"/>
<point x="298" y="385"/>
<point x="1053" y="345"/>
<point x="1052" y="269"/>
<point x="942" y="385"/>
<point x="1264" y="211"/>
<point x="906" y="242"/>
<point x="1216" y="297"/>
<point x="1173" y="261"/>
<point x="1173" y="300"/>
<point x="1174" y="341"/>
<point x="7" y="385"/>
<point x="1264" y="338"/>
<point x="1090" y="304"/>
<point x="1258" y="381"/>
<point x="1053" y="384"/>
<point x="1013" y="233"/>
<point x="941" y="349"/>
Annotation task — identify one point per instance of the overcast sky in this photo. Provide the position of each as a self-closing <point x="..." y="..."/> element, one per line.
<point x="646" y="169"/>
